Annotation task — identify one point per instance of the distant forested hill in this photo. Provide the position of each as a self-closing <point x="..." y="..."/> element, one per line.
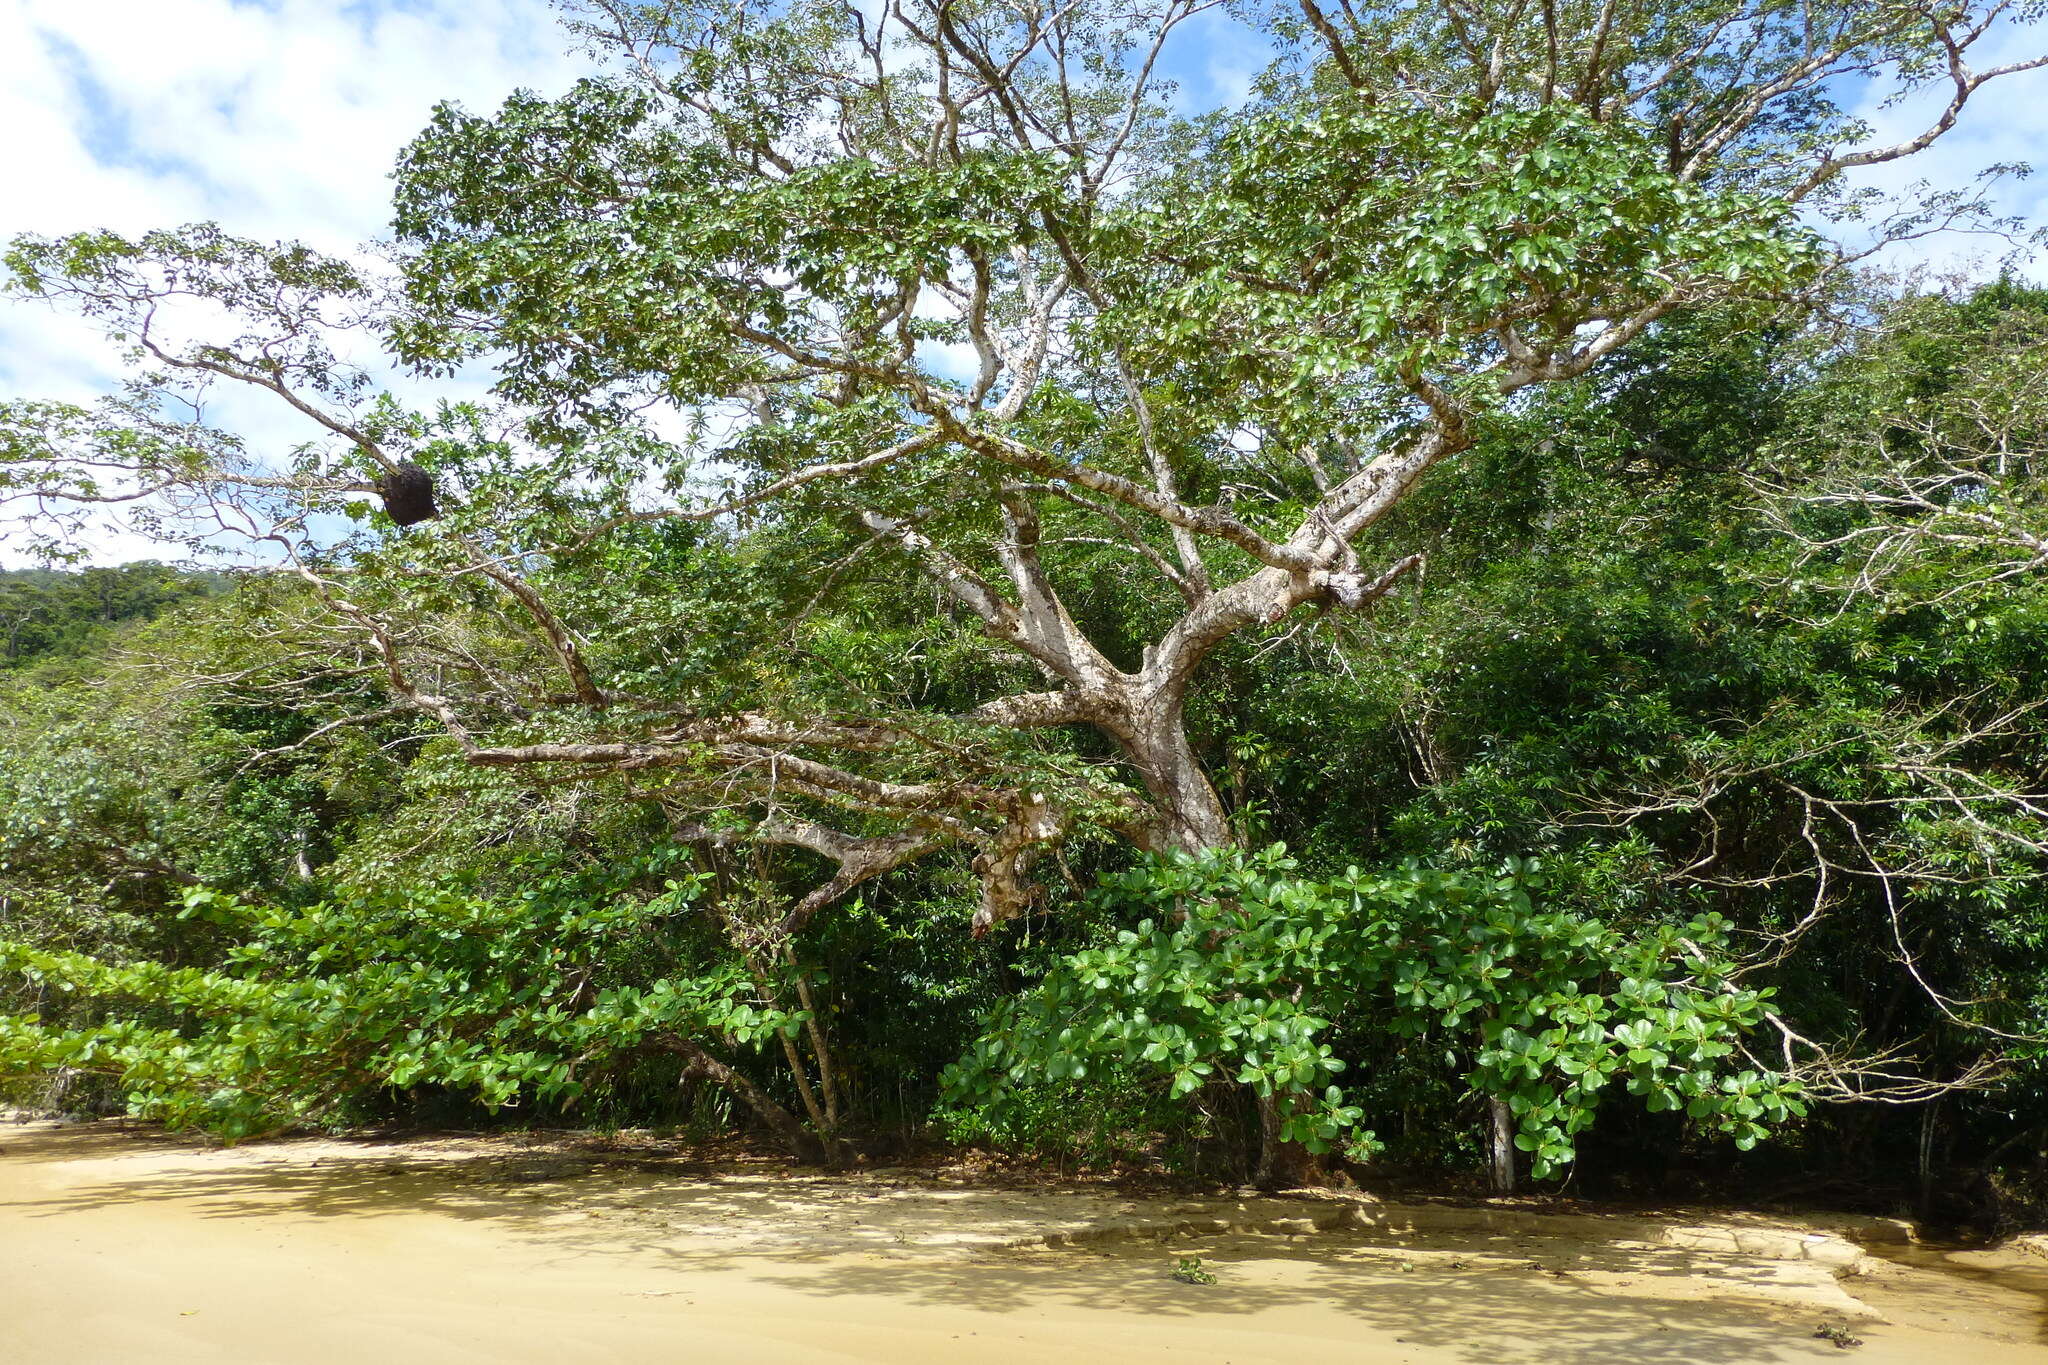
<point x="60" y="612"/>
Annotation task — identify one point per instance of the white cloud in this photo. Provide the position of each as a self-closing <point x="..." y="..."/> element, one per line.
<point x="277" y="120"/>
<point x="283" y="117"/>
<point x="1216" y="58"/>
<point x="2005" y="123"/>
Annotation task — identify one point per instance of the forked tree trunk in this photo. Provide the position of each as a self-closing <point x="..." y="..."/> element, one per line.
<point x="1191" y="819"/>
<point x="828" y="1081"/>
<point x="1153" y="736"/>
<point x="821" y="1123"/>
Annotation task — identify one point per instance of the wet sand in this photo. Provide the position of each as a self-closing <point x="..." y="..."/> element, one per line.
<point x="118" y="1246"/>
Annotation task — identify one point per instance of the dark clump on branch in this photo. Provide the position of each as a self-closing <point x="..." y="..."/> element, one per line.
<point x="408" y="493"/>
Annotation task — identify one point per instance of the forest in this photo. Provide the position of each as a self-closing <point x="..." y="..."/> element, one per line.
<point x="860" y="580"/>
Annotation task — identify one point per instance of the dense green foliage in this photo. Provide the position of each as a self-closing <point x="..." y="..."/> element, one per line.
<point x="1436" y="594"/>
<point x="46" y="612"/>
<point x="314" y="1007"/>
<point x="1244" y="971"/>
<point x="1615" y="699"/>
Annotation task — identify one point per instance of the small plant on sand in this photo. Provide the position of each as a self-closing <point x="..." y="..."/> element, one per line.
<point x="1839" y="1334"/>
<point x="1190" y="1270"/>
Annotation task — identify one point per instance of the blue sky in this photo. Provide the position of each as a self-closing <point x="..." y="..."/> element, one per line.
<point x="282" y="118"/>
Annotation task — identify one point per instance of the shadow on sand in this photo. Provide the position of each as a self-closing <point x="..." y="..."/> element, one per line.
<point x="899" y="1239"/>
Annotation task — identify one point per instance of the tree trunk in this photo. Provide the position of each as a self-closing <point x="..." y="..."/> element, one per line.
<point x="813" y="1030"/>
<point x="1928" y="1121"/>
<point x="1283" y="1165"/>
<point x="1153" y="737"/>
<point x="1191" y="818"/>
<point x="1501" y="1145"/>
<point x="819" y="1122"/>
<point x="801" y="1143"/>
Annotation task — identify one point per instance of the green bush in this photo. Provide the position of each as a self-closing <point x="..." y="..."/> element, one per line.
<point x="1243" y="970"/>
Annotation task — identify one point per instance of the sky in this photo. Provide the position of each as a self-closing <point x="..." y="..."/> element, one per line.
<point x="278" y="120"/>
<point x="282" y="118"/>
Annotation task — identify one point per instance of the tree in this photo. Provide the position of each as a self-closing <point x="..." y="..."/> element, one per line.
<point x="47" y="611"/>
<point x="1680" y="704"/>
<point x="952" y="289"/>
<point x="1227" y="347"/>
<point x="1921" y="479"/>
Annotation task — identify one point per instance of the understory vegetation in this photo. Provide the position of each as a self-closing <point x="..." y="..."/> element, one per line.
<point x="1478" y="647"/>
<point x="1630" y="792"/>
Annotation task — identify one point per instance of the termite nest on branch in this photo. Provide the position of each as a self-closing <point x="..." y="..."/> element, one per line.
<point x="408" y="494"/>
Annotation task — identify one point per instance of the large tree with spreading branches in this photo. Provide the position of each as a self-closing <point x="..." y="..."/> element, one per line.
<point x="957" y="290"/>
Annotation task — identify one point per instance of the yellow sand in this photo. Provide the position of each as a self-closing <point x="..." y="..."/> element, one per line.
<point x="119" y="1247"/>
